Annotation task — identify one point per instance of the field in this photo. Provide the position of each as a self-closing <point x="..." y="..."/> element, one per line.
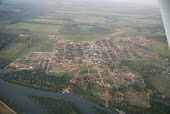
<point x="33" y="29"/>
<point x="88" y="23"/>
<point x="4" y="110"/>
<point x="13" y="51"/>
<point x="47" y="47"/>
<point x="162" y="83"/>
<point x="138" y="99"/>
<point x="161" y="49"/>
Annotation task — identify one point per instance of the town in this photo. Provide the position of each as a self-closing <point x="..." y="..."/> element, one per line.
<point x="100" y="60"/>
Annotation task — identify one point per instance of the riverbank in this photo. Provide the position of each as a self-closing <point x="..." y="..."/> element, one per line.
<point x="20" y="95"/>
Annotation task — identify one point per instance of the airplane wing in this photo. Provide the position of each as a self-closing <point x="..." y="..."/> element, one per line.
<point x="165" y="10"/>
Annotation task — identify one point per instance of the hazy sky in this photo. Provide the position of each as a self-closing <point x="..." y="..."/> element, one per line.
<point x="149" y="2"/>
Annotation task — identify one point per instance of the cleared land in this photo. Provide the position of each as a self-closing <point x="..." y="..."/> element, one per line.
<point x="162" y="83"/>
<point x="138" y="99"/>
<point x="13" y="51"/>
<point x="32" y="28"/>
<point x="47" y="47"/>
<point x="5" y="110"/>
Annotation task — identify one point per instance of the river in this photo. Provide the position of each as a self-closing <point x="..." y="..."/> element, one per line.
<point x="19" y="95"/>
<point x="166" y="71"/>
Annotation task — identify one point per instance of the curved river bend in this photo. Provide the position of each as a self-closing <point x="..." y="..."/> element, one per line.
<point x="19" y="95"/>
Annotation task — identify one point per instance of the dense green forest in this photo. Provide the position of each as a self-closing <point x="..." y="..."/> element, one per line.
<point x="29" y="41"/>
<point x="4" y="62"/>
<point x="5" y="39"/>
<point x="98" y="110"/>
<point x="85" y="88"/>
<point x="56" y="106"/>
<point x="38" y="79"/>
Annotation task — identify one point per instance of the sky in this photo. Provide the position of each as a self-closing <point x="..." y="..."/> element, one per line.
<point x="147" y="2"/>
<point x="139" y="2"/>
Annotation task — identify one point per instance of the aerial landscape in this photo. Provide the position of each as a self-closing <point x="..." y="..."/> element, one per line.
<point x="81" y="57"/>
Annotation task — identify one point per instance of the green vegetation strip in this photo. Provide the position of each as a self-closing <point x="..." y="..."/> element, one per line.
<point x="56" y="106"/>
<point x="160" y="48"/>
<point x="37" y="79"/>
<point x="11" y="105"/>
<point x="98" y="110"/>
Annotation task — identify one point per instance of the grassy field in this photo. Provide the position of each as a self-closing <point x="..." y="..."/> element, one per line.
<point x="138" y="99"/>
<point x="162" y="84"/>
<point x="145" y="63"/>
<point x="83" y="36"/>
<point x="161" y="48"/>
<point x="13" y="51"/>
<point x="33" y="28"/>
<point x="47" y="47"/>
<point x="4" y="110"/>
<point x="74" y="22"/>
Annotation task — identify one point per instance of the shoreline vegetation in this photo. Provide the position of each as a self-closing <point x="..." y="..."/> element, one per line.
<point x="11" y="105"/>
<point x="56" y="106"/>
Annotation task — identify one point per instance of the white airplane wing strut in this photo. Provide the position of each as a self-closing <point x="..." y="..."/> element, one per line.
<point x="165" y="10"/>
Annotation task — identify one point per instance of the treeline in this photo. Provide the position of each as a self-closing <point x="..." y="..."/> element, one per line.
<point x="72" y="28"/>
<point x="12" y="105"/>
<point x="29" y="41"/>
<point x="87" y="93"/>
<point x="156" y="107"/>
<point x="144" y="68"/>
<point x="150" y="31"/>
<point x="4" y="62"/>
<point x="157" y="104"/>
<point x="98" y="110"/>
<point x="26" y="12"/>
<point x="147" y="70"/>
<point x="85" y="88"/>
<point x="56" y="106"/>
<point x="5" y="39"/>
<point x="38" y="80"/>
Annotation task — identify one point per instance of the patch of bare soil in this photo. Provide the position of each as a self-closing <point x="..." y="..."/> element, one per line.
<point x="138" y="99"/>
